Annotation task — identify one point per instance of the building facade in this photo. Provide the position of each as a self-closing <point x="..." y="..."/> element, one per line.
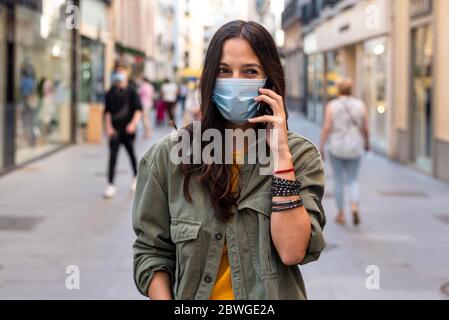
<point x="164" y="62"/>
<point x="392" y="49"/>
<point x="421" y="74"/>
<point x="293" y="56"/>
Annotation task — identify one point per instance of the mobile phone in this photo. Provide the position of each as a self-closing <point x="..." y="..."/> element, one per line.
<point x="264" y="108"/>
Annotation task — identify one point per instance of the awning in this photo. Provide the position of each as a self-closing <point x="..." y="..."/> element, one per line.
<point x="190" y="73"/>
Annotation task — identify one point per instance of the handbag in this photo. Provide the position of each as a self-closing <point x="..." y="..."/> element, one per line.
<point x="355" y="123"/>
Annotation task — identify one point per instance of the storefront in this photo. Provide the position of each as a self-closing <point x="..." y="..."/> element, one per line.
<point x="422" y="83"/>
<point x="421" y="75"/>
<point x="96" y="61"/>
<point x="42" y="74"/>
<point x="375" y="70"/>
<point x="92" y="71"/>
<point x="422" y="97"/>
<point x="316" y="95"/>
<point x="92" y="82"/>
<point x="37" y="83"/>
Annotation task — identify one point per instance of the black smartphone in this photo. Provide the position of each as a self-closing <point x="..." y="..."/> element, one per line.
<point x="264" y="108"/>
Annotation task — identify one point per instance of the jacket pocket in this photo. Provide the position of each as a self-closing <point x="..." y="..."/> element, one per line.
<point x="185" y="235"/>
<point x="264" y="255"/>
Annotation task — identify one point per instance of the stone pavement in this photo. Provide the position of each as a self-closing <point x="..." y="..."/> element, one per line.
<point x="64" y="220"/>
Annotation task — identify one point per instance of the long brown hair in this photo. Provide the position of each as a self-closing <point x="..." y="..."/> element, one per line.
<point x="216" y="178"/>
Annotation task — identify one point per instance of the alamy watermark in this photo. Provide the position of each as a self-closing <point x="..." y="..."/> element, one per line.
<point x="189" y="150"/>
<point x="372" y="282"/>
<point x="72" y="281"/>
<point x="73" y="19"/>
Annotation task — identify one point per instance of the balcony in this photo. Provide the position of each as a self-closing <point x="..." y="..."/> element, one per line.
<point x="291" y="14"/>
<point x="311" y="10"/>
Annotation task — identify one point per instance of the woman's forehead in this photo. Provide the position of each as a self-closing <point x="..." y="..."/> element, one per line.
<point x="237" y="52"/>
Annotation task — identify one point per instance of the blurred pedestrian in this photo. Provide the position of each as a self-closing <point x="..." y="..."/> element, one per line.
<point x="193" y="107"/>
<point x="169" y="92"/>
<point x="160" y="112"/>
<point x="146" y="93"/>
<point x="346" y="128"/>
<point x="122" y="114"/>
<point x="28" y="93"/>
<point x="182" y="96"/>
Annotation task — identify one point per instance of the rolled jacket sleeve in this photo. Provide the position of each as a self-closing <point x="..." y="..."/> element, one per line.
<point x="310" y="171"/>
<point x="153" y="249"/>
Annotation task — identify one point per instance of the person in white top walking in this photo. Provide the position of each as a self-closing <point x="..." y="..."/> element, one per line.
<point x="193" y="106"/>
<point x="346" y="129"/>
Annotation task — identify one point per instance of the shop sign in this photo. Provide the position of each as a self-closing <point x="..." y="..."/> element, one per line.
<point x="420" y="7"/>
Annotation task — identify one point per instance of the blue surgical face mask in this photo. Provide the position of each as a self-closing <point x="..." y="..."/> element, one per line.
<point x="235" y="98"/>
<point x="118" y="77"/>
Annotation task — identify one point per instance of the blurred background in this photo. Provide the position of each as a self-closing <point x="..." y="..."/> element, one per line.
<point x="56" y="62"/>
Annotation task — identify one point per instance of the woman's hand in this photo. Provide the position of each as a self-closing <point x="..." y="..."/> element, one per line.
<point x="277" y="121"/>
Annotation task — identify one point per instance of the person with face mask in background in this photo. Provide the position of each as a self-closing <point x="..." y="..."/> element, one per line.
<point x="224" y="230"/>
<point x="123" y="112"/>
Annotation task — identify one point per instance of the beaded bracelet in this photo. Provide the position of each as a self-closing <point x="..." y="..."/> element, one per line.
<point x="285" y="183"/>
<point x="284" y="192"/>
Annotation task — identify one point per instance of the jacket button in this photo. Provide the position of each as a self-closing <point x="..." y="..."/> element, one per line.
<point x="218" y="236"/>
<point x="207" y="279"/>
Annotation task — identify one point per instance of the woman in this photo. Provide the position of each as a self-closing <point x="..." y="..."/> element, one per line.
<point x="192" y="108"/>
<point x="146" y="94"/>
<point x="225" y="231"/>
<point x="346" y="127"/>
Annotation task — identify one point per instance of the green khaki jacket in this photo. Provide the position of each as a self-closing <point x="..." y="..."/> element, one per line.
<point x="186" y="239"/>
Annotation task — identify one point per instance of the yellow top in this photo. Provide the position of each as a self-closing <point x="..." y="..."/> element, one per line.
<point x="222" y="289"/>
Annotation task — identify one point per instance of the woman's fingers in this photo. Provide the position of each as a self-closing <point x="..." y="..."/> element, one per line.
<point x="262" y="119"/>
<point x="271" y="102"/>
<point x="273" y="95"/>
<point x="272" y="99"/>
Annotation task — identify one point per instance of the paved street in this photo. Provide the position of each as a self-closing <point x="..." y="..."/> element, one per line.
<point x="65" y="221"/>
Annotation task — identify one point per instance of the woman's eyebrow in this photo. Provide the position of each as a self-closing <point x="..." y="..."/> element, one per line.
<point x="245" y="65"/>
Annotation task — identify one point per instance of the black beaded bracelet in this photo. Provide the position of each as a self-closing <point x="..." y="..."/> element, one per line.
<point x="284" y="192"/>
<point x="285" y="183"/>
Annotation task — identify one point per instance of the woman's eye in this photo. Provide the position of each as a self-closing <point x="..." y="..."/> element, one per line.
<point x="222" y="70"/>
<point x="251" y="71"/>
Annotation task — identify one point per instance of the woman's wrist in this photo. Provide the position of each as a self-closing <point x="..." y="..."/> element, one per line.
<point x="284" y="160"/>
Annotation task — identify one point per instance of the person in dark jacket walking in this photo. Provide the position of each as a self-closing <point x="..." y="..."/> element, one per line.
<point x="123" y="111"/>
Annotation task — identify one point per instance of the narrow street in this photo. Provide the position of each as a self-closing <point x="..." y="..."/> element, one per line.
<point x="52" y="215"/>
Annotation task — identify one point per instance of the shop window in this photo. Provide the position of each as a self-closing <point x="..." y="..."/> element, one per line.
<point x="422" y="104"/>
<point x="374" y="91"/>
<point x="42" y="77"/>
